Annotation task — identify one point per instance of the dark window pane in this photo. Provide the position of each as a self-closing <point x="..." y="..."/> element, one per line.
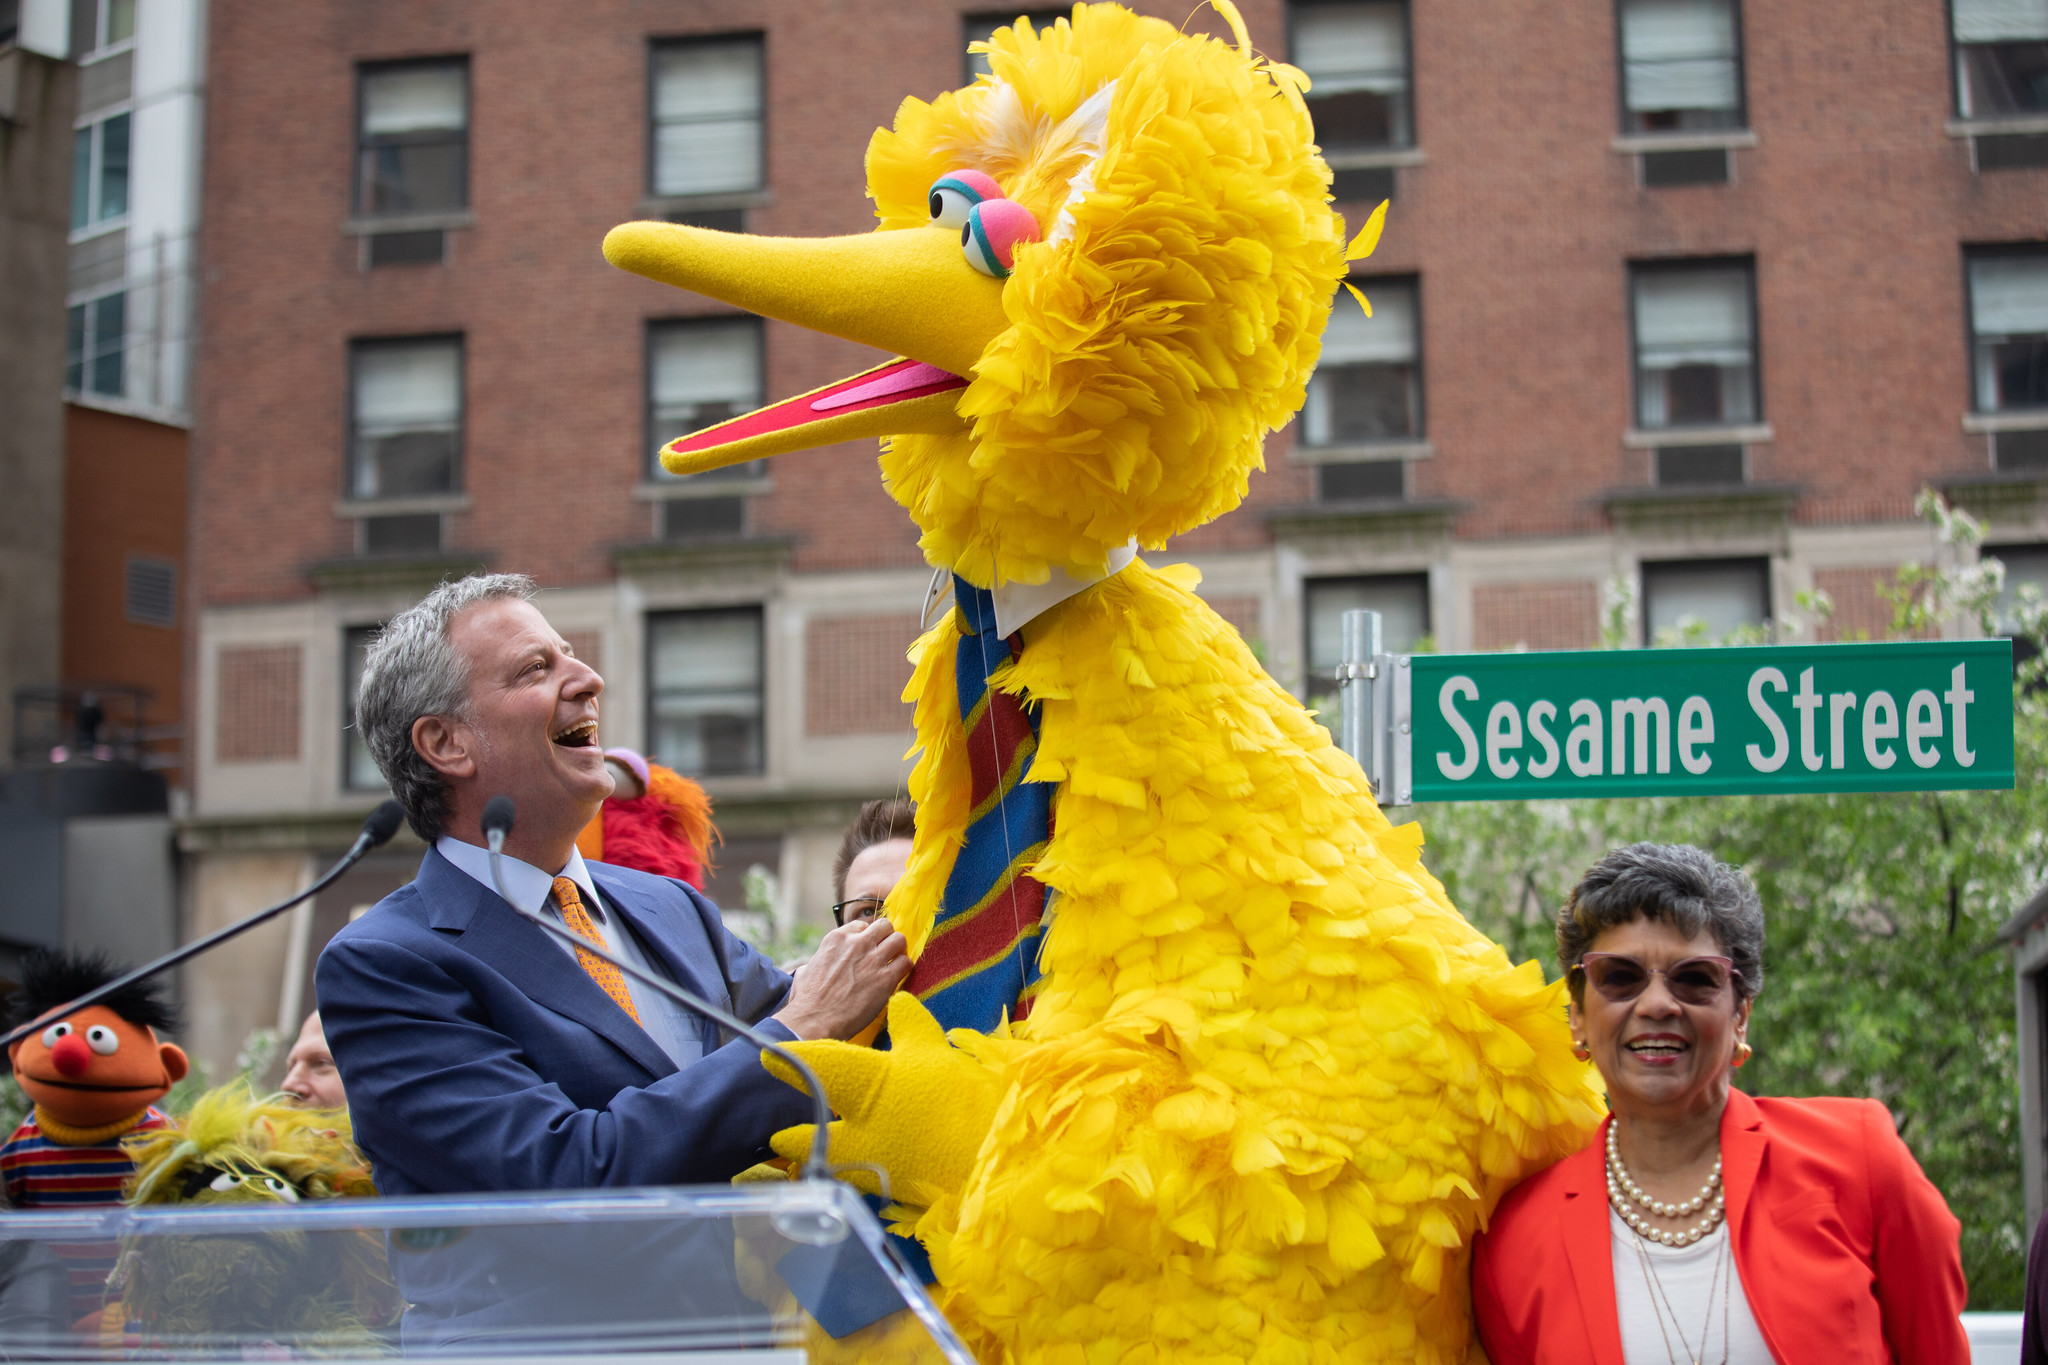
<point x="1355" y="119"/>
<point x="1692" y="393"/>
<point x="81" y="178"/>
<point x="108" y="343"/>
<point x="1369" y="402"/>
<point x="411" y="462"/>
<point x="718" y="220"/>
<point x="1362" y="184"/>
<point x="1402" y="600"/>
<point x="2003" y="79"/>
<point x="705" y="676"/>
<point x="2020" y="452"/>
<point x="74" y="347"/>
<point x="359" y="770"/>
<point x="1713" y="596"/>
<point x="689" y="518"/>
<point x="411" y="534"/>
<point x="1684" y="120"/>
<point x="1698" y="466"/>
<point x="113" y="167"/>
<point x="415" y="176"/>
<point x="2015" y="152"/>
<point x="2021" y="366"/>
<point x="1706" y="166"/>
<point x="407" y="248"/>
<point x="1358" y="480"/>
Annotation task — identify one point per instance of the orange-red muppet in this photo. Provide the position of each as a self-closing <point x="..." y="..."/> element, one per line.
<point x="95" y="1075"/>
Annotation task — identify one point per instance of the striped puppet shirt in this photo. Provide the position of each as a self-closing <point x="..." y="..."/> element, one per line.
<point x="41" y="1173"/>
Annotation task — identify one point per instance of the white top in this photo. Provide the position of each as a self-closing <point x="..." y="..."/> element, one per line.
<point x="672" y="1028"/>
<point x="1685" y="1273"/>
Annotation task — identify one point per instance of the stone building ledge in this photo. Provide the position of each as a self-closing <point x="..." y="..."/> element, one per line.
<point x="361" y="573"/>
<point x="1715" y="510"/>
<point x="2001" y="498"/>
<point x="707" y="552"/>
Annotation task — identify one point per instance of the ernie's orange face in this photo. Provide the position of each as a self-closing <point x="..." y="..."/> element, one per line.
<point x="93" y="1067"/>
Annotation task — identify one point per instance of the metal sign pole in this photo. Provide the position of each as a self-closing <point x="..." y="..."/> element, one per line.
<point x="1365" y="695"/>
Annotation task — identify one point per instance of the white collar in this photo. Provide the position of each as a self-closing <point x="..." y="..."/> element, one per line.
<point x="1018" y="604"/>
<point x="529" y="884"/>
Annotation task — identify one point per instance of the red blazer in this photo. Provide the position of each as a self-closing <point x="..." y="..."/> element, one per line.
<point x="1846" y="1251"/>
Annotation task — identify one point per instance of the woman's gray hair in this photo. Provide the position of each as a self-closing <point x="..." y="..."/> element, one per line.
<point x="411" y="671"/>
<point x="1686" y="887"/>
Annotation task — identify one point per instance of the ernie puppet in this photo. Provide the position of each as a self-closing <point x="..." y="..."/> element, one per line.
<point x="94" y="1076"/>
<point x="1197" y="1061"/>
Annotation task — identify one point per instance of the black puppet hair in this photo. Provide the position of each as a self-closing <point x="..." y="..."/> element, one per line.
<point x="52" y="978"/>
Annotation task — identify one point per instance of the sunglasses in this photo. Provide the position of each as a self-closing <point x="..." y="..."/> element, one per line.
<point x="1694" y="981"/>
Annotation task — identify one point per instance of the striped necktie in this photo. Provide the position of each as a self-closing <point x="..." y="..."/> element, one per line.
<point x="609" y="979"/>
<point x="982" y="957"/>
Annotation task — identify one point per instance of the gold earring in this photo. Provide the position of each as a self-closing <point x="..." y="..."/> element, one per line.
<point x="1580" y="1050"/>
<point x="1743" y="1052"/>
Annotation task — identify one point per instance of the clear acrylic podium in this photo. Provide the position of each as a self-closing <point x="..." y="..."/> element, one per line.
<point x="764" y="1274"/>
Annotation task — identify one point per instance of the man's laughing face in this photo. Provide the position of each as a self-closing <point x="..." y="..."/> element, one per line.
<point x="533" y="714"/>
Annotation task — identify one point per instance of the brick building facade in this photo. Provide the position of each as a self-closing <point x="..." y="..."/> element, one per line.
<point x="1681" y="294"/>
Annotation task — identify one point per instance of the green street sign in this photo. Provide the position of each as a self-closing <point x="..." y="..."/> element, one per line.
<point x="1910" y="716"/>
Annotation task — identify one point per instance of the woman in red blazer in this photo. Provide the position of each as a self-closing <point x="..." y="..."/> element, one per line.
<point x="1702" y="1225"/>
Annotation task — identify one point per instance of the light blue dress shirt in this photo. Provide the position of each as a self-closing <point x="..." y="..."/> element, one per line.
<point x="674" y="1029"/>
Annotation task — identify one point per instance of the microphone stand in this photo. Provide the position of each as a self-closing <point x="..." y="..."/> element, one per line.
<point x="382" y="823"/>
<point x="817" y="1166"/>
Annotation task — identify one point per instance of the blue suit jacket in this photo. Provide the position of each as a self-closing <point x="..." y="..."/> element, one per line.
<point x="478" y="1055"/>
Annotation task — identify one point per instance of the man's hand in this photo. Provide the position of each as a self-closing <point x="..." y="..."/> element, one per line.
<point x="844" y="986"/>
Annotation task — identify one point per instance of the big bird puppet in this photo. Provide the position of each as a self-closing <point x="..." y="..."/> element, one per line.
<point x="1227" y="1077"/>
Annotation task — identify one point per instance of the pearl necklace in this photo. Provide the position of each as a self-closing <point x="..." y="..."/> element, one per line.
<point x="1622" y="1189"/>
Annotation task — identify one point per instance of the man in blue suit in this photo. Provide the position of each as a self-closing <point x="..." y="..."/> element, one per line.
<point x="480" y="1053"/>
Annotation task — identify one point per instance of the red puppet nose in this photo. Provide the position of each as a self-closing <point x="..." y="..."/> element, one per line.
<point x="71" y="1055"/>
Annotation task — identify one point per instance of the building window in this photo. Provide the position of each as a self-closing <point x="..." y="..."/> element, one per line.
<point x="979" y="28"/>
<point x="1356" y="57"/>
<point x="1402" y="600"/>
<point x="95" y="346"/>
<point x="2001" y="58"/>
<point x="99" y="26"/>
<point x="700" y="372"/>
<point x="706" y="105"/>
<point x="99" y="172"/>
<point x="1695" y="344"/>
<point x="1703" y="600"/>
<point x="705" y="691"/>
<point x="412" y="143"/>
<point x="1367" y="387"/>
<point x="2009" y="330"/>
<point x="358" y="769"/>
<point x="406" y="410"/>
<point x="149" y="591"/>
<point x="2024" y="564"/>
<point x="1681" y="65"/>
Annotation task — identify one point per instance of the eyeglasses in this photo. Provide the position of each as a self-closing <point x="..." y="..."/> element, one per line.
<point x="860" y="907"/>
<point x="1694" y="981"/>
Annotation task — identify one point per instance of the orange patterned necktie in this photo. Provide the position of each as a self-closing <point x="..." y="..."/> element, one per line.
<point x="608" y="978"/>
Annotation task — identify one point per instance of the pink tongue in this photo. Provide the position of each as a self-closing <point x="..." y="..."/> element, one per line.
<point x="896" y="381"/>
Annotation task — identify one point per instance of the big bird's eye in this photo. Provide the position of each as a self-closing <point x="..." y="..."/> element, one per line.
<point x="224" y="1182"/>
<point x="54" y="1032"/>
<point x="954" y="194"/>
<point x="993" y="233"/>
<point x="281" y="1190"/>
<point x="102" y="1040"/>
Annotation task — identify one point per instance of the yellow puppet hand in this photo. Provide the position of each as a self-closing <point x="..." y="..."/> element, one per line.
<point x="918" y="1111"/>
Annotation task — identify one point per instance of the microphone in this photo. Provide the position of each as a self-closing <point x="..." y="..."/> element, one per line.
<point x="497" y="823"/>
<point x="382" y="823"/>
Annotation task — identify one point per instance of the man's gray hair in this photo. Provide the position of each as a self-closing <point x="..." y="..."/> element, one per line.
<point x="411" y="670"/>
<point x="1686" y="887"/>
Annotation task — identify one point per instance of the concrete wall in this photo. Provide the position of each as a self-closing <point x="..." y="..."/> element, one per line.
<point x="37" y="97"/>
